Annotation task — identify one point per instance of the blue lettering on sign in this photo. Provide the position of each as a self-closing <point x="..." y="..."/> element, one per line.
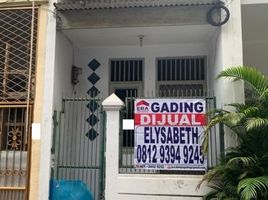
<point x="174" y="107"/>
<point x="155" y="107"/>
<point x="169" y="144"/>
<point x="169" y="154"/>
<point x="176" y="135"/>
<point x="164" y="108"/>
<point x="163" y="135"/>
<point x="171" y="135"/>
<point x="195" y="136"/>
<point x="146" y="134"/>
<point x="199" y="107"/>
<point x="188" y="107"/>
<point x="182" y="135"/>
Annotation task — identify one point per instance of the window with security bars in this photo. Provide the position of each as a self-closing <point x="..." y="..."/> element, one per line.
<point x="181" y="77"/>
<point x="17" y="54"/>
<point x="125" y="70"/>
<point x="126" y="80"/>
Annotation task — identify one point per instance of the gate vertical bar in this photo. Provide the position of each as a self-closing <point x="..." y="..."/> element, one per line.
<point x="102" y="157"/>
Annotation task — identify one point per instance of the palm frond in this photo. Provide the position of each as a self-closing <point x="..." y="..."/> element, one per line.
<point x="250" y="111"/>
<point x="243" y="171"/>
<point x="247" y="161"/>
<point x="243" y="175"/>
<point x="230" y="119"/>
<point x="211" y="175"/>
<point x="238" y="106"/>
<point x="253" y="188"/>
<point x="252" y="76"/>
<point x="213" y="122"/>
<point x="234" y="118"/>
<point x="257" y="122"/>
<point x="264" y="94"/>
<point x="217" y="187"/>
<point x="210" y="195"/>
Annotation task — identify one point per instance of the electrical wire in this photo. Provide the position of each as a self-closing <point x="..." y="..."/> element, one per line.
<point x="218" y="8"/>
<point x="228" y="2"/>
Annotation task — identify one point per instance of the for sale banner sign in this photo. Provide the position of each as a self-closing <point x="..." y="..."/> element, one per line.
<point x="169" y="134"/>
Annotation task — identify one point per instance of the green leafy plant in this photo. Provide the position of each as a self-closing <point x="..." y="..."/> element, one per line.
<point x="242" y="173"/>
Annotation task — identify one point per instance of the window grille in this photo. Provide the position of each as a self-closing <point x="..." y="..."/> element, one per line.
<point x="17" y="54"/>
<point x="18" y="36"/>
<point x="124" y="70"/>
<point x="181" y="77"/>
<point x="181" y="69"/>
<point x="126" y="81"/>
<point x="12" y="128"/>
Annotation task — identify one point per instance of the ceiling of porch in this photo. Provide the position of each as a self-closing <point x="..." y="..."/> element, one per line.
<point x="129" y="36"/>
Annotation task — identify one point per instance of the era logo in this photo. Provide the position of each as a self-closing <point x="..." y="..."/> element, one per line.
<point x="142" y="106"/>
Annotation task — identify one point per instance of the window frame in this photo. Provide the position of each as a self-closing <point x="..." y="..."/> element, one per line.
<point x="180" y="82"/>
<point x="139" y="85"/>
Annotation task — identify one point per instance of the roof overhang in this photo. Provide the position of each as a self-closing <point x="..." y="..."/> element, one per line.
<point x="114" y="4"/>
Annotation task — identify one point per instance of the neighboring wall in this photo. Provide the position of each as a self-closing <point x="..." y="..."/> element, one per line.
<point x="38" y="105"/>
<point x="255" y="35"/>
<point x="256" y="55"/>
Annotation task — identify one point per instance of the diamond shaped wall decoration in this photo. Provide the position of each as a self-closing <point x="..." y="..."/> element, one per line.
<point x="93" y="106"/>
<point x="93" y="78"/>
<point x="93" y="64"/>
<point x="92" y="120"/>
<point x="92" y="134"/>
<point x="93" y="91"/>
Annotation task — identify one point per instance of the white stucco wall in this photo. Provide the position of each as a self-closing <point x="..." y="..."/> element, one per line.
<point x="226" y="51"/>
<point x="149" y="53"/>
<point x="63" y="68"/>
<point x="215" y="63"/>
<point x="46" y="127"/>
<point x="56" y="83"/>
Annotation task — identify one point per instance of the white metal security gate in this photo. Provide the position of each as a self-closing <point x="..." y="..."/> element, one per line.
<point x="79" y="143"/>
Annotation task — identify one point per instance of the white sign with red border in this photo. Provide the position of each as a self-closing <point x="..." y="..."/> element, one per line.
<point x="169" y="134"/>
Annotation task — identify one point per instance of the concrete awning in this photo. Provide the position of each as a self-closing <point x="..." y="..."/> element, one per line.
<point x="113" y="4"/>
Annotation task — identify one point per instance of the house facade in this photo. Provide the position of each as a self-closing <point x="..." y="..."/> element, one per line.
<point x="137" y="49"/>
<point x="146" y="49"/>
